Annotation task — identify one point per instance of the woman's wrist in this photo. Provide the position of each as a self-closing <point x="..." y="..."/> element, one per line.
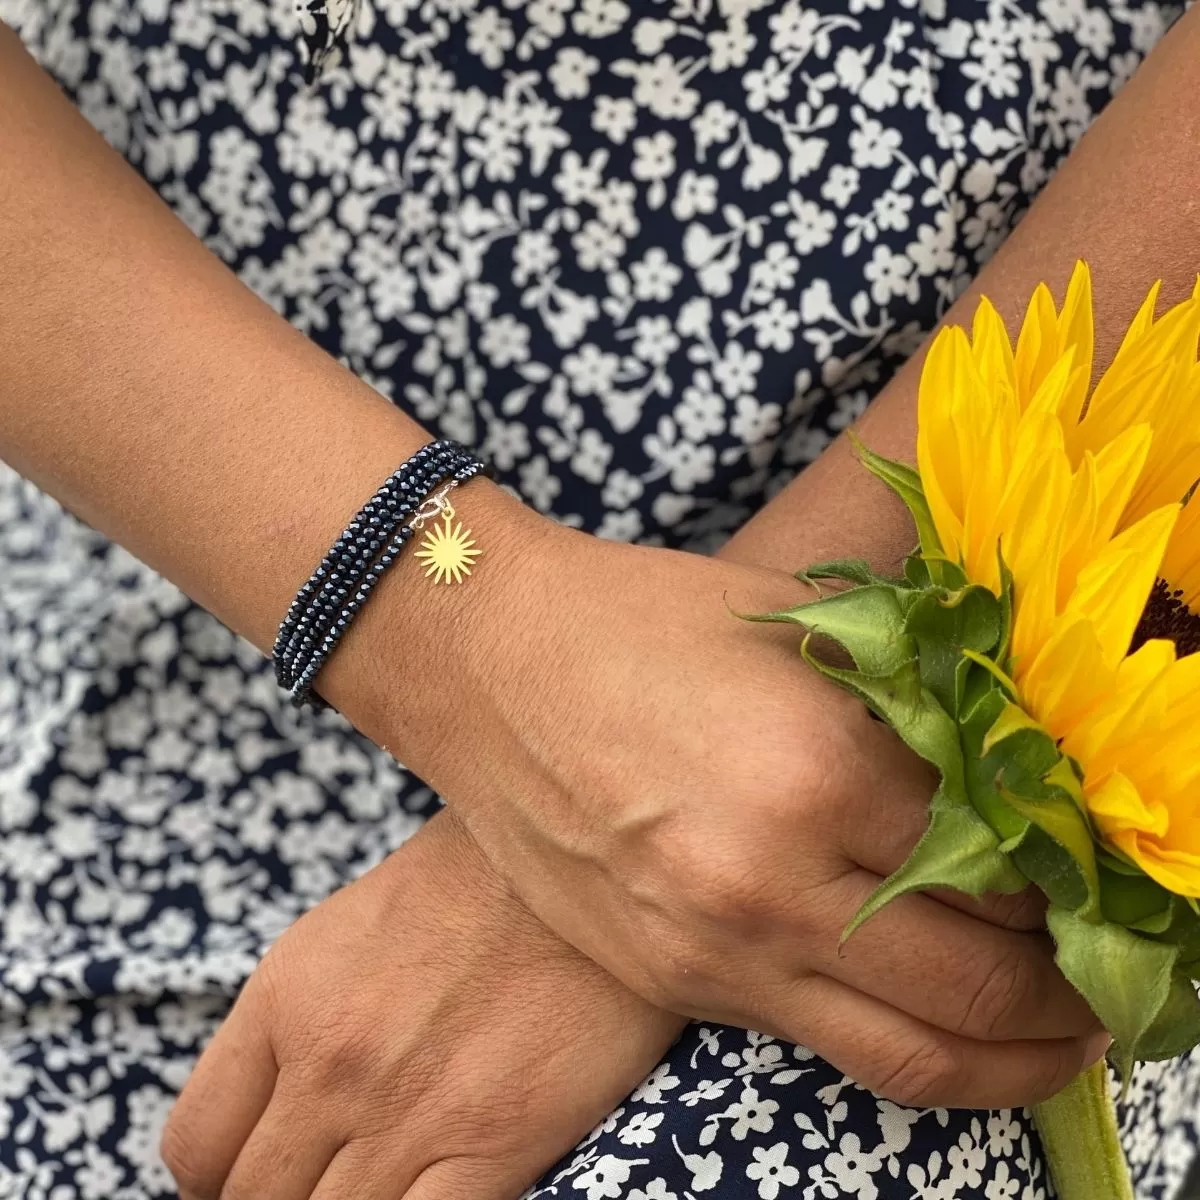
<point x="415" y="666"/>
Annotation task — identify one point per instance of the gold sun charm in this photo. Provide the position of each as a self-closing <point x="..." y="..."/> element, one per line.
<point x="448" y="551"/>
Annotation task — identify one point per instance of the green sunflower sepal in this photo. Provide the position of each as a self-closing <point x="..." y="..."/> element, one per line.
<point x="927" y="654"/>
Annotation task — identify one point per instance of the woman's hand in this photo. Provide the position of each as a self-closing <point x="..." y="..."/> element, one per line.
<point x="417" y="1035"/>
<point x="675" y="793"/>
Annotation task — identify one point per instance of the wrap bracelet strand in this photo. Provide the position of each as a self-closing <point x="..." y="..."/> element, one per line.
<point x="350" y="573"/>
<point x="320" y="600"/>
<point x="301" y="688"/>
<point x="323" y="609"/>
<point x="354" y="551"/>
<point x="302" y="608"/>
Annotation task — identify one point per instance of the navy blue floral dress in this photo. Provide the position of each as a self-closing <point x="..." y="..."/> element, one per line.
<point x="649" y="257"/>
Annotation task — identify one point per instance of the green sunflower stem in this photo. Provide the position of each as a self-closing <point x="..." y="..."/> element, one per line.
<point x="1078" y="1128"/>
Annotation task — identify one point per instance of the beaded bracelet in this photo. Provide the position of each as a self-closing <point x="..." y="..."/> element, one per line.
<point x="416" y="492"/>
<point x="318" y="601"/>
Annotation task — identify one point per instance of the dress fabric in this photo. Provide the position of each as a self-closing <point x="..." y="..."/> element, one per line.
<point x="649" y="258"/>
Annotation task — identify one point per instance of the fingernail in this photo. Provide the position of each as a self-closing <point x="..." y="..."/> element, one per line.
<point x="1097" y="1047"/>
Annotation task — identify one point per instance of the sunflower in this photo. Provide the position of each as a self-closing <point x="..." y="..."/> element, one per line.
<point x="1082" y="494"/>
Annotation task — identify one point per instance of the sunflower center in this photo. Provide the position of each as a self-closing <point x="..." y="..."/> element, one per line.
<point x="1166" y="616"/>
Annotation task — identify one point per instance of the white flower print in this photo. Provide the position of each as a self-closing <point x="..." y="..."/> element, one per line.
<point x="572" y="72"/>
<point x="654" y="163"/>
<point x="737" y="370"/>
<point x="490" y="35"/>
<point x="615" y="117"/>
<point x="751" y="1112"/>
<point x="714" y="125"/>
<point x="655" y="341"/>
<point x="656" y="1189"/>
<point x="771" y="1169"/>
<point x="639" y="1130"/>
<point x="755" y="421"/>
<point x="810" y="226"/>
<point x="605" y="1178"/>
<point x="695" y="194"/>
<point x="889" y="275"/>
<point x="872" y="144"/>
<point x="655" y="277"/>
<point x="505" y="340"/>
<point x="653" y="1089"/>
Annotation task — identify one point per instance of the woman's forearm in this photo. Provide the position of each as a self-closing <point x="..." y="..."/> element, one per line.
<point x="151" y="392"/>
<point x="1127" y="200"/>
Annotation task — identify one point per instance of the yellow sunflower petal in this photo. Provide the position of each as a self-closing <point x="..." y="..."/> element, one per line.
<point x="1117" y="708"/>
<point x="1075" y="333"/>
<point x="1066" y="678"/>
<point x="1030" y="510"/>
<point x="938" y="459"/>
<point x="1117" y="805"/>
<point x="1037" y="343"/>
<point x="1137" y="385"/>
<point x="1181" y="563"/>
<point x="993" y="352"/>
<point x="1112" y="589"/>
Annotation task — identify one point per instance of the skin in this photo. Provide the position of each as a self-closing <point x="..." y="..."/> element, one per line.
<point x="692" y="908"/>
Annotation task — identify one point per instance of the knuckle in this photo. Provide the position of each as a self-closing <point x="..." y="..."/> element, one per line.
<point x="995" y="1004"/>
<point x="922" y="1077"/>
<point x="185" y="1157"/>
<point x="338" y="1058"/>
<point x="726" y="885"/>
<point x="734" y="890"/>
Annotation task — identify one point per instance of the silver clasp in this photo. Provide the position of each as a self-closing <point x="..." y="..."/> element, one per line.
<point x="437" y="505"/>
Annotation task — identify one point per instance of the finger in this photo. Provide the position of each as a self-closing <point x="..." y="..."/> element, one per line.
<point x="890" y="807"/>
<point x="289" y="1150"/>
<point x="362" y="1171"/>
<point x="1024" y="911"/>
<point x="954" y="971"/>
<point x="904" y="1060"/>
<point x="368" y="1169"/>
<point x="879" y="833"/>
<point x="220" y="1105"/>
<point x="457" y="1178"/>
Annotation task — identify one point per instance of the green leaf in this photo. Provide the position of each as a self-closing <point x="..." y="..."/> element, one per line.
<point x="974" y="687"/>
<point x="852" y="570"/>
<point x="943" y="625"/>
<point x="1132" y="899"/>
<point x="911" y="710"/>
<point x="1176" y="1029"/>
<point x="916" y="571"/>
<point x="1125" y="978"/>
<point x="1012" y="719"/>
<point x="1118" y="861"/>
<point x="1054" y="869"/>
<point x="867" y="621"/>
<point x="982" y="706"/>
<point x="1184" y="932"/>
<point x="1057" y="810"/>
<point x="994" y="669"/>
<point x="1022" y="765"/>
<point x="906" y="483"/>
<point x="959" y="851"/>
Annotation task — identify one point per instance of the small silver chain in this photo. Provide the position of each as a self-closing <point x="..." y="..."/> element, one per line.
<point x="438" y="503"/>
